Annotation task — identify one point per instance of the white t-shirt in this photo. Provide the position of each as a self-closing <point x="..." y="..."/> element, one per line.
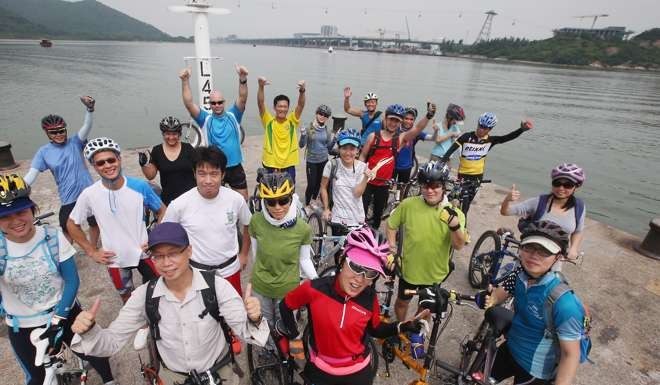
<point x="120" y="215"/>
<point x="347" y="209"/>
<point x="211" y="225"/>
<point x="31" y="284"/>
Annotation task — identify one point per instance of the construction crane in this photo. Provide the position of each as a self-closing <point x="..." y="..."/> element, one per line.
<point x="484" y="33"/>
<point x="589" y="16"/>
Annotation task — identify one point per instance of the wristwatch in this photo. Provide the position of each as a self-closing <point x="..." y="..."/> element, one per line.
<point x="243" y="81"/>
<point x="455" y="228"/>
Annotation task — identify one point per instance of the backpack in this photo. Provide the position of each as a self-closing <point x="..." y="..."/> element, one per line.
<point x="555" y="293"/>
<point x="541" y="208"/>
<point x="210" y="303"/>
<point x="334" y="163"/>
<point x="376" y="145"/>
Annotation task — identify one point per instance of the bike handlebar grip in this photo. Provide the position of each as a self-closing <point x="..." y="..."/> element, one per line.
<point x="410" y="292"/>
<point x="44" y="216"/>
<point x="486" y="181"/>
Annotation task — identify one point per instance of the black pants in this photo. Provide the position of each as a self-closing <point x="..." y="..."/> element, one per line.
<point x="402" y="176"/>
<point x="505" y="366"/>
<point x="314" y="173"/>
<point x="25" y="352"/>
<point x="379" y="195"/>
<point x="470" y="190"/>
<point x="315" y="376"/>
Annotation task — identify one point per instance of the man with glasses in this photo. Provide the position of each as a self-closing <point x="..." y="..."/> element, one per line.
<point x="431" y="228"/>
<point x="221" y="127"/>
<point x="117" y="202"/>
<point x="212" y="215"/>
<point x="62" y="157"/>
<point x="280" y="151"/>
<point x="189" y="336"/>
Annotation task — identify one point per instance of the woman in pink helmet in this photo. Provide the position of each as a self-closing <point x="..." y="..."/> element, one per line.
<point x="343" y="313"/>
<point x="560" y="205"/>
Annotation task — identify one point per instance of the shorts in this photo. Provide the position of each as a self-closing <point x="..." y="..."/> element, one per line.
<point x="403" y="286"/>
<point x="505" y="366"/>
<point x="122" y="277"/>
<point x="65" y="211"/>
<point x="235" y="177"/>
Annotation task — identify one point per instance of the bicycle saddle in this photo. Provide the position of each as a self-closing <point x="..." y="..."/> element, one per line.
<point x="499" y="318"/>
<point x="260" y="173"/>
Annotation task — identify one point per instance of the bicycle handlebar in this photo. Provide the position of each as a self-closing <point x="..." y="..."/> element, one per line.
<point x="207" y="377"/>
<point x="451" y="295"/>
<point x="41" y="217"/>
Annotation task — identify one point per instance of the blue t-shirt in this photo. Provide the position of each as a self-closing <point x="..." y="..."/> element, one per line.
<point x="375" y="126"/>
<point x="531" y="347"/>
<point x="66" y="163"/>
<point x="223" y="131"/>
<point x="440" y="149"/>
<point x="404" y="159"/>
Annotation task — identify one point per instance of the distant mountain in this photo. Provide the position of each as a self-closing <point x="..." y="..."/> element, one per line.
<point x="83" y="20"/>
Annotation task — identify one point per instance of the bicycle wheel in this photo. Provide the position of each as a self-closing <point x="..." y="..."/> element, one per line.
<point x="254" y="203"/>
<point x="191" y="134"/>
<point x="71" y="369"/>
<point x="415" y="168"/>
<point x="318" y="231"/>
<point x="265" y="365"/>
<point x="412" y="189"/>
<point x="481" y="259"/>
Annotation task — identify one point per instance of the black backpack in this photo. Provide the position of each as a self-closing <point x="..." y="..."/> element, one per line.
<point x="377" y="139"/>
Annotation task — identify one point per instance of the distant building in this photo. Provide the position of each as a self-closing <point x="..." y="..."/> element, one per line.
<point x="609" y="33"/>
<point x="329" y="30"/>
<point x="302" y="35"/>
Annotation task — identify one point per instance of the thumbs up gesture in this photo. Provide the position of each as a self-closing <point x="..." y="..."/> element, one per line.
<point x="252" y="305"/>
<point x="513" y="195"/>
<point x="86" y="319"/>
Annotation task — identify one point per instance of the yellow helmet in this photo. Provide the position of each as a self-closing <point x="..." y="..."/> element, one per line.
<point x="14" y="194"/>
<point x="275" y="185"/>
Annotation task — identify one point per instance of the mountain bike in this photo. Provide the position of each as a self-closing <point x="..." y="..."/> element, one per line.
<point x="270" y="364"/>
<point x="326" y="249"/>
<point x="397" y="192"/>
<point x="63" y="367"/>
<point x="464" y="190"/>
<point x="486" y="262"/>
<point x="192" y="134"/>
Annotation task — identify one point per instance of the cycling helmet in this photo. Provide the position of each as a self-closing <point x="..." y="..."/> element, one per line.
<point x="395" y="110"/>
<point x="349" y="136"/>
<point x="570" y="171"/>
<point x="14" y="194"/>
<point x="366" y="248"/>
<point x="170" y="124"/>
<point x="487" y="120"/>
<point x="52" y="122"/>
<point x="325" y="110"/>
<point x="433" y="171"/>
<point x="100" y="144"/>
<point x="370" y="96"/>
<point x="547" y="234"/>
<point x="411" y="110"/>
<point x="276" y="184"/>
<point x="455" y="112"/>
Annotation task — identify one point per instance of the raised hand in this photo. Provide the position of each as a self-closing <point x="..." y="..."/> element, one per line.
<point x="86" y="319"/>
<point x="347" y="92"/>
<point x="241" y="71"/>
<point x="527" y="124"/>
<point x="185" y="73"/>
<point x="252" y="305"/>
<point x="263" y="81"/>
<point x="301" y="86"/>
<point x="513" y="195"/>
<point x="89" y="102"/>
<point x="430" y="109"/>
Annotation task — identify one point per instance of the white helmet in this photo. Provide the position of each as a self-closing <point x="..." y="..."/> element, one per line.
<point x="370" y="96"/>
<point x="100" y="144"/>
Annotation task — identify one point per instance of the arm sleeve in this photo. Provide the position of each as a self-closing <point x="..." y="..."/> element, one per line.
<point x="506" y="138"/>
<point x="306" y="262"/>
<point x="524" y="208"/>
<point x="253" y="250"/>
<point x="454" y="146"/>
<point x="31" y="176"/>
<point x="199" y="119"/>
<point x="38" y="162"/>
<point x="87" y="126"/>
<point x="69" y="274"/>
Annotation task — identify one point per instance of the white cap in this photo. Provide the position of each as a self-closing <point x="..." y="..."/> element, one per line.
<point x="548" y="244"/>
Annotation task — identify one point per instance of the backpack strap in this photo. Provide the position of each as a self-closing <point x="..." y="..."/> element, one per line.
<point x="151" y="308"/>
<point x="366" y="126"/>
<point x="3" y="253"/>
<point x="395" y="145"/>
<point x="541" y="207"/>
<point x="211" y="307"/>
<point x="53" y="245"/>
<point x="555" y="293"/>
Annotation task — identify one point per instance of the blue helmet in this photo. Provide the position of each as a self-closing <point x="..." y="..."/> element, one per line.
<point x="487" y="120"/>
<point x="348" y="136"/>
<point x="396" y="110"/>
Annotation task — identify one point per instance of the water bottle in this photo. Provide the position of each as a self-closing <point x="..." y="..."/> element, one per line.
<point x="416" y="345"/>
<point x="506" y="269"/>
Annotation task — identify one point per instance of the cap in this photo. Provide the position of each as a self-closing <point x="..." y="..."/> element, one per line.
<point x="364" y="258"/>
<point x="352" y="141"/>
<point x="169" y="233"/>
<point x="547" y="243"/>
<point x="15" y="206"/>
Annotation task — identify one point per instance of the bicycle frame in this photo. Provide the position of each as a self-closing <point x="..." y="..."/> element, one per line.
<point x="54" y="364"/>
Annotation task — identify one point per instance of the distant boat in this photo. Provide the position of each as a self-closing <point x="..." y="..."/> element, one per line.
<point x="46" y="43"/>
<point x="330" y="49"/>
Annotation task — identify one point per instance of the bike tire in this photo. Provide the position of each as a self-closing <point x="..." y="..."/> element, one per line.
<point x="412" y="189"/>
<point x="260" y="374"/>
<point x="482" y="258"/>
<point x="318" y="230"/>
<point x="254" y="203"/>
<point x="192" y="134"/>
<point x="415" y="168"/>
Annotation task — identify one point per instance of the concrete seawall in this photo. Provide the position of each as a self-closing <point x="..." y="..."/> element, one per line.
<point x="621" y="287"/>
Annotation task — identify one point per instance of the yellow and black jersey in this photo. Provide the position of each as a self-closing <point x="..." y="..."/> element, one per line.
<point x="475" y="149"/>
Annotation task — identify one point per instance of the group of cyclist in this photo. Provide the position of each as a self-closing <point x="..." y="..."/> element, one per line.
<point x="192" y="297"/>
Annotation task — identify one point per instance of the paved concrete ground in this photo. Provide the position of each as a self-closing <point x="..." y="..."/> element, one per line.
<point x="621" y="287"/>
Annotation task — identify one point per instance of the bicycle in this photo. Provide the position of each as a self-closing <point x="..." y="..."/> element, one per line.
<point x="63" y="367"/>
<point x="192" y="134"/>
<point x="325" y="246"/>
<point x="39" y="219"/>
<point x="397" y="191"/>
<point x="148" y="369"/>
<point x="464" y="190"/>
<point x="267" y="366"/>
<point x="486" y="262"/>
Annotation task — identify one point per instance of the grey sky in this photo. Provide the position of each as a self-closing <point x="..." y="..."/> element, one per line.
<point x="427" y="19"/>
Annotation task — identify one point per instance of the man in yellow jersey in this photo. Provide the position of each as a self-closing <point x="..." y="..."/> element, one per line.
<point x="280" y="138"/>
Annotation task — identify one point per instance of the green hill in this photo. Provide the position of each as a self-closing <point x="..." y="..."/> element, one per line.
<point x="83" y="20"/>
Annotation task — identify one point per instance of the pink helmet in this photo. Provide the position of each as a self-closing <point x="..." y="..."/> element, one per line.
<point x="364" y="249"/>
<point x="570" y="171"/>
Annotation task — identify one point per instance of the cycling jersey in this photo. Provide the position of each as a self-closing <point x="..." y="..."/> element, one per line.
<point x="404" y="159"/>
<point x="223" y="131"/>
<point x="382" y="149"/>
<point x="474" y="150"/>
<point x="375" y="126"/>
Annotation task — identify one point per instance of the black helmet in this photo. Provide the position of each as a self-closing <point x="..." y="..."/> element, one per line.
<point x="324" y="110"/>
<point x="52" y="122"/>
<point x="455" y="112"/>
<point x="411" y="110"/>
<point x="433" y="171"/>
<point x="543" y="231"/>
<point x="170" y="124"/>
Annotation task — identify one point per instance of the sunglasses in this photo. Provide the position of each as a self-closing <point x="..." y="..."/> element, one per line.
<point x="101" y="162"/>
<point x="219" y="102"/>
<point x="283" y="201"/>
<point x="563" y="183"/>
<point x="535" y="249"/>
<point x="61" y="131"/>
<point x="361" y="270"/>
<point x="323" y="114"/>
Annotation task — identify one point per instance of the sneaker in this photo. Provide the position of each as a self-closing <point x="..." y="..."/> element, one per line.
<point x="416" y="345"/>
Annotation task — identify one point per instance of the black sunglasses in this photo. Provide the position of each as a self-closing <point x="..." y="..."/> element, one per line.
<point x="323" y="114"/>
<point x="283" y="201"/>
<point x="101" y="162"/>
<point x="219" y="102"/>
<point x="563" y="183"/>
<point x="57" y="132"/>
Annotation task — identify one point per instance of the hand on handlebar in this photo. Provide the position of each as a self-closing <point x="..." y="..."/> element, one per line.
<point x="54" y="336"/>
<point x="413" y="324"/>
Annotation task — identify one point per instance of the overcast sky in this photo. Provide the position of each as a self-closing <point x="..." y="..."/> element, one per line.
<point x="461" y="19"/>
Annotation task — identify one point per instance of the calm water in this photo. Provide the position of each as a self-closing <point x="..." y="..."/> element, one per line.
<point x="608" y="122"/>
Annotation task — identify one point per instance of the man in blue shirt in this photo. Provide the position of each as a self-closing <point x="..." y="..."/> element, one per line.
<point x="370" y="118"/>
<point x="63" y="157"/>
<point x="221" y="127"/>
<point x="532" y="354"/>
